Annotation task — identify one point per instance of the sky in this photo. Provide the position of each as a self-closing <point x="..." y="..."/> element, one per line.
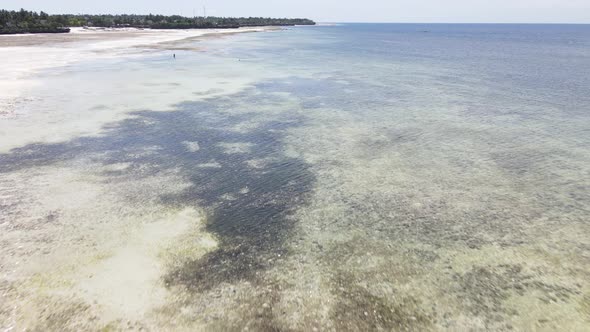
<point x="418" y="11"/>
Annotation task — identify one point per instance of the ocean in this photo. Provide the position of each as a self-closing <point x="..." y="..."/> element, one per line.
<point x="338" y="177"/>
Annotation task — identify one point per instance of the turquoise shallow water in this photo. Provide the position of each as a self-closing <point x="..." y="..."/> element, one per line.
<point x="365" y="176"/>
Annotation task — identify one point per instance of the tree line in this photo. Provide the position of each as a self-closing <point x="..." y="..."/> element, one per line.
<point x="23" y="21"/>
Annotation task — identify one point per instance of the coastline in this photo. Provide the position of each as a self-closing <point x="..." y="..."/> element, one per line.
<point x="24" y="56"/>
<point x="26" y="59"/>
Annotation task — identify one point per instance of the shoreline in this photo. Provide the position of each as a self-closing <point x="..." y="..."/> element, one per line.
<point x="23" y="56"/>
<point x="69" y="29"/>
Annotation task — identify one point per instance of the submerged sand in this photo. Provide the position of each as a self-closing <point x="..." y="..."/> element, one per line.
<point x="203" y="201"/>
<point x="79" y="253"/>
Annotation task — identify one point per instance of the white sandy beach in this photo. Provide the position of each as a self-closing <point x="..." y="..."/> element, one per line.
<point x="23" y="58"/>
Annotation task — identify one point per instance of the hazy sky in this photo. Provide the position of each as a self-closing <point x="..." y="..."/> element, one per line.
<point x="502" y="11"/>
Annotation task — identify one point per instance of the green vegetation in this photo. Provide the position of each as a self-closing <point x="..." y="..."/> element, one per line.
<point x="22" y="21"/>
<point x="29" y="22"/>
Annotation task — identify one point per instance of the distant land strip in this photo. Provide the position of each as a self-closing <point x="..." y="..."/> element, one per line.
<point x="23" y="21"/>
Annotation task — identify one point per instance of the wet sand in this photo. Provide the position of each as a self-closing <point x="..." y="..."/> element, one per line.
<point x="25" y="60"/>
<point x="21" y="56"/>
